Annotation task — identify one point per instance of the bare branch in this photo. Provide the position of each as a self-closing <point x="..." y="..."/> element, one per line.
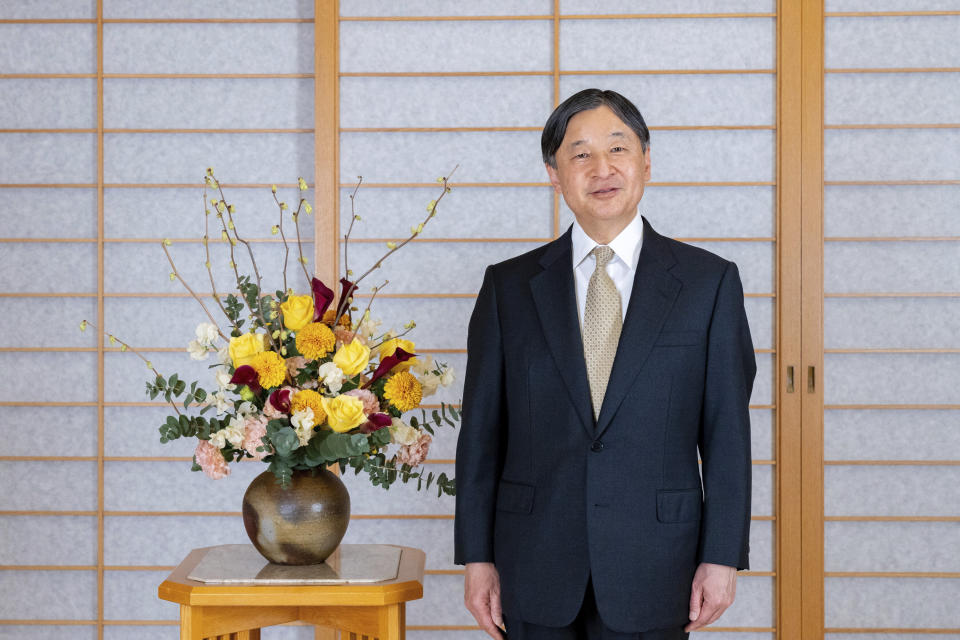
<point x="187" y="287"/>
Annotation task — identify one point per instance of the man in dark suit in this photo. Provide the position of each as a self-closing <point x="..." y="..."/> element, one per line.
<point x="598" y="365"/>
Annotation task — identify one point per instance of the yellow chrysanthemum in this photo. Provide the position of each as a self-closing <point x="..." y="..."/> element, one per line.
<point x="403" y="391"/>
<point x="315" y="340"/>
<point x="271" y="369"/>
<point x="309" y="398"/>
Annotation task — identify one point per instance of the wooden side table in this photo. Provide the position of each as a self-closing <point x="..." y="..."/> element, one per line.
<point x="376" y="610"/>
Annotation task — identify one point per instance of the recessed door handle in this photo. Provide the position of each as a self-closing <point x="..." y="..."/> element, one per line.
<point x="790" y="379"/>
<point x="811" y="379"/>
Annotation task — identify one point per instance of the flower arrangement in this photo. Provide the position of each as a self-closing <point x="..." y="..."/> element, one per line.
<point x="307" y="383"/>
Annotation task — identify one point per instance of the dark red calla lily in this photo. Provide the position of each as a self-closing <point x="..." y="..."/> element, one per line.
<point x="247" y="375"/>
<point x="280" y="399"/>
<point x="346" y="290"/>
<point x="388" y="363"/>
<point x="375" y="422"/>
<point x="322" y="297"/>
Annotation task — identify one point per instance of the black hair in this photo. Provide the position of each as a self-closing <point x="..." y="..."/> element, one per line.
<point x="556" y="127"/>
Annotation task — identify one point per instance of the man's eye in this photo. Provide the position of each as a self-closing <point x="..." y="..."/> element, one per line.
<point x="617" y="149"/>
<point x="581" y="155"/>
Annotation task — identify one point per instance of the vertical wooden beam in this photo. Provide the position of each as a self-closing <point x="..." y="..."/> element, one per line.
<point x="326" y="138"/>
<point x="100" y="324"/>
<point x="556" y="100"/>
<point x="788" y="330"/>
<point x="812" y="320"/>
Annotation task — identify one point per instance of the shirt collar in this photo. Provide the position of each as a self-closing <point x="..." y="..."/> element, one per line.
<point x="626" y="245"/>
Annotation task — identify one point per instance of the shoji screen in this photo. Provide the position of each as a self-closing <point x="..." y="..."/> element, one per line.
<point x="110" y="112"/>
<point x="427" y="85"/>
<point x="892" y="320"/>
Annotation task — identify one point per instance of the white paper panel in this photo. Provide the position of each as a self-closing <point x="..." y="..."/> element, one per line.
<point x="690" y="99"/>
<point x="38" y="158"/>
<point x="48" y="213"/>
<point x="189" y="9"/>
<point x="891" y="322"/>
<point x="46" y="9"/>
<point x="47" y="322"/>
<point x="26" y="48"/>
<point x="48" y="595"/>
<point x="202" y="103"/>
<point x="688" y="212"/>
<point x="666" y="6"/>
<point x="45" y="632"/>
<point x="445" y="8"/>
<point x="486" y="45"/>
<point x="762" y="430"/>
<point x="184" y="158"/>
<point x="890" y="42"/>
<point x="75" y="482"/>
<point x="171" y="486"/>
<point x="694" y="43"/>
<point x="134" y="431"/>
<point x="442" y="603"/>
<point x="127" y="317"/>
<point x="23" y="430"/>
<point x="887" y="98"/>
<point x="483" y="212"/>
<point x="483" y="101"/>
<point x="892" y="546"/>
<point x="892" y="210"/>
<point x="434" y="536"/>
<point x="862" y="490"/>
<point x="515" y="156"/>
<point x="761" y="501"/>
<point x="49" y="540"/>
<point x="23" y="369"/>
<point x="400" y="499"/>
<point x="132" y="595"/>
<point x="762" y="546"/>
<point x="889" y="5"/>
<point x="880" y="154"/>
<point x="891" y="602"/>
<point x="126" y="375"/>
<point x="160" y="540"/>
<point x="208" y="48"/>
<point x="153" y="632"/>
<point x="48" y="268"/>
<point x="891" y="378"/>
<point x="135" y="268"/>
<point x="40" y="103"/>
<point x="920" y="635"/>
<point x="891" y="267"/>
<point x="179" y="213"/>
<point x="880" y="434"/>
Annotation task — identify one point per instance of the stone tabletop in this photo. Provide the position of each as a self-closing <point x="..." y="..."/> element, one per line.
<point x="350" y="563"/>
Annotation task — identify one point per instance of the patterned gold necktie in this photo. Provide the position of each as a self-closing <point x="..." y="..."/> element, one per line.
<point x="602" y="322"/>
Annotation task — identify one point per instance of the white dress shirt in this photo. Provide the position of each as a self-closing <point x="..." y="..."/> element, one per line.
<point x="621" y="268"/>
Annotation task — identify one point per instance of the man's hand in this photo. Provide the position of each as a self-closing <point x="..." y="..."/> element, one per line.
<point x="713" y="590"/>
<point x="481" y="594"/>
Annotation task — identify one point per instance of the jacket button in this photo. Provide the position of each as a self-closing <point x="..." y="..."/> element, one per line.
<point x="596" y="447"/>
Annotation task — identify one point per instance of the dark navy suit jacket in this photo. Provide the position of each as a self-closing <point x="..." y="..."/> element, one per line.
<point x="551" y="496"/>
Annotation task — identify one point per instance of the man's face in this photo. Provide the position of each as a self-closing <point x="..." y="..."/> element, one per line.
<point x="601" y="169"/>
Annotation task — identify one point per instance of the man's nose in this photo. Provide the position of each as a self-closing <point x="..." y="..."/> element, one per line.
<point x="602" y="167"/>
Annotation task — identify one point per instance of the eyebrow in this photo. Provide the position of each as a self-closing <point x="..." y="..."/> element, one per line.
<point x="615" y="134"/>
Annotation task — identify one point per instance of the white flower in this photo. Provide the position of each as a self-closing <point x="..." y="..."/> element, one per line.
<point x="402" y="433"/>
<point x="331" y="375"/>
<point x="223" y="354"/>
<point x="207" y="333"/>
<point x="235" y="432"/>
<point x="302" y="422"/>
<point x="447" y="377"/>
<point x="197" y="350"/>
<point x="245" y="410"/>
<point x="223" y="405"/>
<point x="222" y="376"/>
<point x="429" y="382"/>
<point x="422" y="365"/>
<point x="368" y="327"/>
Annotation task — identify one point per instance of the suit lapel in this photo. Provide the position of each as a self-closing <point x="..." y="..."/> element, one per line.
<point x="556" y="302"/>
<point x="654" y="291"/>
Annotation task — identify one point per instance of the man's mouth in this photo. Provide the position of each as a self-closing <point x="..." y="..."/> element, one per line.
<point x="604" y="192"/>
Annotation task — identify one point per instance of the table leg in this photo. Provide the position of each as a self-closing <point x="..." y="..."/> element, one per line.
<point x="324" y="633"/>
<point x="393" y="621"/>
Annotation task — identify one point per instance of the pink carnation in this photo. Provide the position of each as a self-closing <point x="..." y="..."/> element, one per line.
<point x="369" y="400"/>
<point x="254" y="429"/>
<point x="211" y="460"/>
<point x="345" y="336"/>
<point x="414" y="454"/>
<point x="271" y="412"/>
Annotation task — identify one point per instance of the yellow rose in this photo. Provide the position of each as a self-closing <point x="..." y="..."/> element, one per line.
<point x="352" y="358"/>
<point x="389" y="347"/>
<point x="297" y="312"/>
<point x="244" y="348"/>
<point x="344" y="412"/>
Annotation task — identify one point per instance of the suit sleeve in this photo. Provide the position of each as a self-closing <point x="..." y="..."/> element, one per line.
<point x="482" y="431"/>
<point x="724" y="438"/>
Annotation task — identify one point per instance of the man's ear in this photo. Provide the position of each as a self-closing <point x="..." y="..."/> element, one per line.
<point x="554" y="177"/>
<point x="646" y="165"/>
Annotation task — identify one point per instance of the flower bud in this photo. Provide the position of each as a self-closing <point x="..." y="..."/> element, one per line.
<point x="274" y="230"/>
<point x="302" y="183"/>
<point x="307" y="207"/>
<point x="391" y="245"/>
<point x="246" y="394"/>
<point x="83" y="325"/>
<point x="273" y="188"/>
<point x="173" y="276"/>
